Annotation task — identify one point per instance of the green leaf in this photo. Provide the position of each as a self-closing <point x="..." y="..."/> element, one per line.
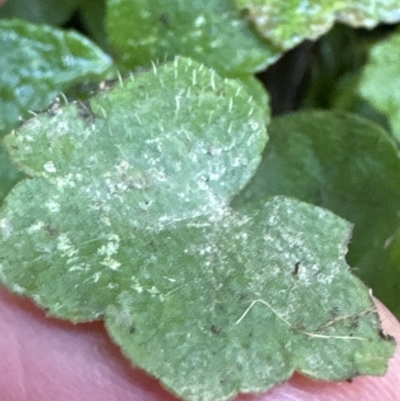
<point x="381" y="80"/>
<point x="171" y="144"/>
<point x="288" y="23"/>
<point x="346" y="97"/>
<point x="211" y="32"/>
<point x="9" y="175"/>
<point x="93" y="16"/>
<point x="260" y="293"/>
<point x="345" y="164"/>
<point x="37" y="63"/>
<point x="388" y="283"/>
<point x="336" y="65"/>
<point x="256" y="89"/>
<point x="52" y="12"/>
<point x="126" y="218"/>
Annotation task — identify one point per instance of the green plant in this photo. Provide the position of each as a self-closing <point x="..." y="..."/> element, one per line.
<point x="143" y="190"/>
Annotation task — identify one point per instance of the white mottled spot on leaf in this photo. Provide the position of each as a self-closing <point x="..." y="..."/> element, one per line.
<point x="82" y="267"/>
<point x="105" y="220"/>
<point x="199" y="21"/>
<point x="53" y="206"/>
<point x="153" y="290"/>
<point x="96" y="277"/>
<point x="18" y="289"/>
<point x="66" y="181"/>
<point x="65" y="246"/>
<point x="136" y="285"/>
<point x="50" y="167"/>
<point x="111" y="263"/>
<point x="6" y="227"/>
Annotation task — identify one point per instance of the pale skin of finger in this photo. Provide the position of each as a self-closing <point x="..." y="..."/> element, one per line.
<point x="43" y="359"/>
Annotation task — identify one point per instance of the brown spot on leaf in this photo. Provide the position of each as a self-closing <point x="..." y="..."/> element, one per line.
<point x="85" y="111"/>
<point x="164" y="19"/>
<point x="296" y="269"/>
<point x="53" y="231"/>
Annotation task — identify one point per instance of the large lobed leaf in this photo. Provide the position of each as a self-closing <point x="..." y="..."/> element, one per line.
<point x="37" y="62"/>
<point x="126" y="218"/>
<point x="168" y="146"/>
<point x="288" y="23"/>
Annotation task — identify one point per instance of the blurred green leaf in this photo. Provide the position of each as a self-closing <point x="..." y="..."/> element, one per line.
<point x="288" y="23"/>
<point x="93" y="16"/>
<point x="209" y="31"/>
<point x="345" y="164"/>
<point x="126" y="218"/>
<point x="54" y="12"/>
<point x="37" y="63"/>
<point x="388" y="282"/>
<point x="380" y="80"/>
<point x="9" y="175"/>
<point x="335" y="69"/>
<point x="346" y="97"/>
<point x="337" y="55"/>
